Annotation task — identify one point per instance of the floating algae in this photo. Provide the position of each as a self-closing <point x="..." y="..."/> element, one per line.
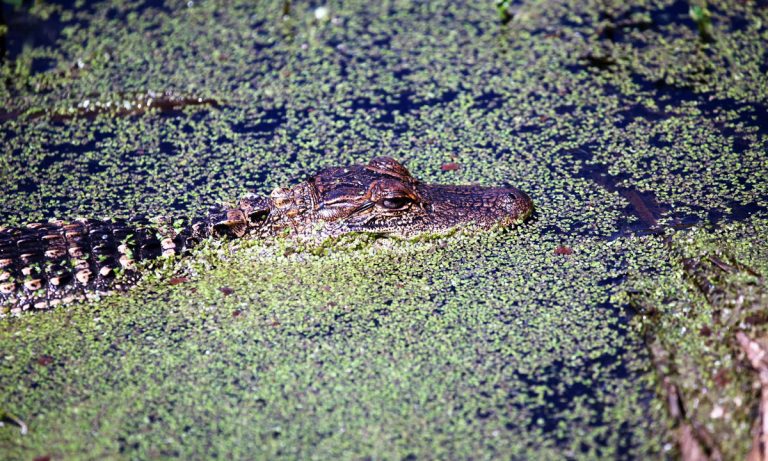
<point x="488" y="345"/>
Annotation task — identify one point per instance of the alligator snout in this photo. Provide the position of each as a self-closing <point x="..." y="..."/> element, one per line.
<point x="517" y="205"/>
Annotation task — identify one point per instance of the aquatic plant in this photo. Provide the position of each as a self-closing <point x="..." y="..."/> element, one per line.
<point x="503" y="7"/>
<point x="703" y="19"/>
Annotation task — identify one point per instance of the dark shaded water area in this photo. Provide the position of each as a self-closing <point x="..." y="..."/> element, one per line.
<point x="612" y="145"/>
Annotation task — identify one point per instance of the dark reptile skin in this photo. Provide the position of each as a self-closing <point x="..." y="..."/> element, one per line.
<point x="45" y="264"/>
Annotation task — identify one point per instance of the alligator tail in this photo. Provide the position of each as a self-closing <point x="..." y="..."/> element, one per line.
<point x="46" y="264"/>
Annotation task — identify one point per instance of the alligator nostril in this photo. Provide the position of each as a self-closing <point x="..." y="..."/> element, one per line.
<point x="517" y="202"/>
<point x="518" y="195"/>
<point x="515" y="195"/>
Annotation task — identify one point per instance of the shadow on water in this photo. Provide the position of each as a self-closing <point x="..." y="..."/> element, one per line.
<point x="561" y="395"/>
<point x="387" y="106"/>
<point x="740" y="123"/>
<point x="622" y="27"/>
<point x="645" y="214"/>
<point x="28" y="30"/>
<point x="667" y="97"/>
<point x="544" y="410"/>
<point x="638" y="18"/>
<point x="271" y="120"/>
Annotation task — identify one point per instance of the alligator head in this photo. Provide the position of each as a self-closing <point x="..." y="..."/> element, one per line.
<point x="381" y="197"/>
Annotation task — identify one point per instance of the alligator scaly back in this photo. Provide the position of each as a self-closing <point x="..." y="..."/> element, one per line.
<point x="46" y="264"/>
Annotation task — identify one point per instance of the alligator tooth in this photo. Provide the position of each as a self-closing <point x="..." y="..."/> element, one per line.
<point x="55" y="281"/>
<point x="5" y="262"/>
<point x="75" y="252"/>
<point x="33" y="285"/>
<point x="123" y="248"/>
<point x="54" y="302"/>
<point x="4" y="276"/>
<point x="41" y="305"/>
<point x="26" y="270"/>
<point x="105" y="271"/>
<point x="150" y="245"/>
<point x="35" y="225"/>
<point x="104" y="249"/>
<point x="7" y="288"/>
<point x="83" y="276"/>
<point x="167" y="244"/>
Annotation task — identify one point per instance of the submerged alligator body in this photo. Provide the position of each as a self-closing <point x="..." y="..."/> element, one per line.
<point x="46" y="264"/>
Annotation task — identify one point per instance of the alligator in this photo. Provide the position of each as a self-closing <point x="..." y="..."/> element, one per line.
<point x="46" y="264"/>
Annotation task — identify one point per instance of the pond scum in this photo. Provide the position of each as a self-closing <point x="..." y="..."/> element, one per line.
<point x="625" y="320"/>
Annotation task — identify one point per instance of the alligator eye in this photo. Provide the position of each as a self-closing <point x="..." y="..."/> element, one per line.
<point x="395" y="203"/>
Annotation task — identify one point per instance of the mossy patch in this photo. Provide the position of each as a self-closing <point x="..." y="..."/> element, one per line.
<point x="711" y="290"/>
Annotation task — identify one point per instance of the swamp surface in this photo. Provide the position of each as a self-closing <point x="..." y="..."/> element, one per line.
<point x="639" y="130"/>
